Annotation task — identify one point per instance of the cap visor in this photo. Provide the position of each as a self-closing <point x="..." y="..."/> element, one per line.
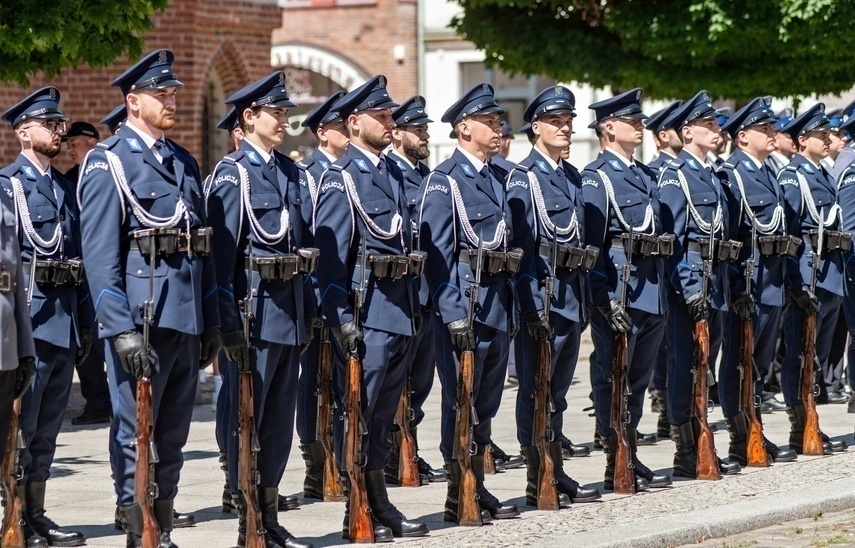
<point x="171" y="83"/>
<point x="634" y="116"/>
<point x="416" y="122"/>
<point x="388" y="103"/>
<point x="557" y="111"/>
<point x="281" y="103"/>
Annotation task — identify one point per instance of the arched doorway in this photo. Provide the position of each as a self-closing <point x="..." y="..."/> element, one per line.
<point x="215" y="142"/>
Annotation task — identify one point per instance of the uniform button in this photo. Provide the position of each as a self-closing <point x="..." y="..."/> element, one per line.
<point x="705" y="200"/>
<point x="556" y="205"/>
<point x="479" y="214"/>
<point x="65" y="238"/>
<point x="265" y="204"/>
<point x="139" y="272"/>
<point x="153" y="194"/>
<point x="62" y="217"/>
<point x="100" y="326"/>
<point x="181" y="194"/>
<point x="761" y="202"/>
<point x="628" y="201"/>
<point x="376" y="209"/>
<point x="39" y="217"/>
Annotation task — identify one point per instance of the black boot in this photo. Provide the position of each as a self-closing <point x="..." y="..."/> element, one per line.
<point x="685" y="455"/>
<point x="837" y="446"/>
<point x="392" y="469"/>
<point x="777" y="454"/>
<point x="228" y="506"/>
<point x="532" y="473"/>
<point x="32" y="539"/>
<point x="738" y="449"/>
<point x="43" y="525"/>
<point x="163" y="513"/>
<point x="663" y="423"/>
<point x="509" y="461"/>
<point x="313" y="456"/>
<point x="724" y="468"/>
<point x="425" y="470"/>
<point x="653" y="480"/>
<point x="570" y="449"/>
<point x="452" y="497"/>
<point x="133" y="520"/>
<point x="609" y="445"/>
<point x="381" y="532"/>
<point x="566" y="484"/>
<point x="798" y="417"/>
<point x="268" y="500"/>
<point x="385" y="512"/>
<point x="486" y="499"/>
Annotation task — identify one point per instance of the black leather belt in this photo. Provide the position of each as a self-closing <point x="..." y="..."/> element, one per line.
<point x="832" y="239"/>
<point x="51" y="272"/>
<point x="725" y="250"/>
<point x="570" y="257"/>
<point x="775" y="245"/>
<point x="395" y="267"/>
<point x="5" y="281"/>
<point x="493" y="262"/>
<point x="168" y="241"/>
<point x="647" y="245"/>
<point x="284" y="266"/>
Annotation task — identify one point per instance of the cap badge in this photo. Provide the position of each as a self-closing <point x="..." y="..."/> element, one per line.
<point x="163" y="57"/>
<point x="52" y="94"/>
<point x="382" y="80"/>
<point x="559" y="92"/>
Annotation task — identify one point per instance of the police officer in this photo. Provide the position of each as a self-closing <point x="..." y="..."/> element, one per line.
<point x="116" y="118"/>
<point x="461" y="204"/>
<point x="694" y="210"/>
<point x="18" y="352"/>
<point x="755" y="207"/>
<point x="668" y="146"/>
<point x="139" y="189"/>
<point x="784" y="146"/>
<point x="665" y="137"/>
<point x="620" y="192"/>
<point x="60" y="308"/>
<point x="810" y="198"/>
<point x="326" y="123"/>
<point x="361" y="210"/>
<point x="544" y="197"/>
<point x="500" y="159"/>
<point x="847" y="155"/>
<point x="253" y="208"/>
<point x="409" y="149"/>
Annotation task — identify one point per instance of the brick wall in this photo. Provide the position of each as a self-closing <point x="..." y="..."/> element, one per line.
<point x="364" y="35"/>
<point x="229" y="37"/>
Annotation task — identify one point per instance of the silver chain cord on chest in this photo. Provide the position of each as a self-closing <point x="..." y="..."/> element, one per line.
<point x="765" y="229"/>
<point x="262" y="235"/>
<point x="564" y="234"/>
<point x="807" y="199"/>
<point x="144" y="217"/>
<point x="43" y="247"/>
<point x="373" y="228"/>
<point x="703" y="226"/>
<point x="647" y="223"/>
<point x="498" y="236"/>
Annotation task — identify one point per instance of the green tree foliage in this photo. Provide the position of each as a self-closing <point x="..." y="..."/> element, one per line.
<point x="672" y="48"/>
<point x="50" y="35"/>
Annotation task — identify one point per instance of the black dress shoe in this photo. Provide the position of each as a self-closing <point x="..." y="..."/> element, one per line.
<point x="289" y="502"/>
<point x="838" y="397"/>
<point x="569" y="449"/>
<point x="34" y="493"/>
<point x="728" y="468"/>
<point x="180" y="520"/>
<point x="771" y="405"/>
<point x="510" y="461"/>
<point x="837" y="446"/>
<point x="779" y="454"/>
<point x="97" y="417"/>
<point x="513" y="380"/>
<point x="432" y="474"/>
<point x="646" y="439"/>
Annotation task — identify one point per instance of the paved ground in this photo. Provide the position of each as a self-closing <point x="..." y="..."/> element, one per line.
<point x="819" y="530"/>
<point x="80" y="493"/>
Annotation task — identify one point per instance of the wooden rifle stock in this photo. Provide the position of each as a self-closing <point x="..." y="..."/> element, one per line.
<point x="332" y="482"/>
<point x="812" y="443"/>
<point x="707" y="467"/>
<point x="547" y="490"/>
<point x="408" y="460"/>
<point x="489" y="461"/>
<point x="361" y="529"/>
<point x="756" y="445"/>
<point x="145" y="489"/>
<point x="468" y="513"/>
<point x="247" y="473"/>
<point x="13" y="515"/>
<point x="624" y="476"/>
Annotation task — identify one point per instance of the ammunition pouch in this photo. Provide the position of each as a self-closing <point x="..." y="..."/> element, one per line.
<point x="493" y="262"/>
<point x="726" y="250"/>
<point x="570" y="257"/>
<point x="833" y="240"/>
<point x="775" y="246"/>
<point x="168" y="241"/>
<point x="284" y="266"/>
<point x="418" y="260"/>
<point x="51" y="272"/>
<point x="646" y="245"/>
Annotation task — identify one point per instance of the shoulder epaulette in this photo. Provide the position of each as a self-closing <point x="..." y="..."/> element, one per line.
<point x="791" y="167"/>
<point x="306" y="163"/>
<point x="675" y="163"/>
<point x="109" y="142"/>
<point x="446" y="167"/>
<point x="233" y="157"/>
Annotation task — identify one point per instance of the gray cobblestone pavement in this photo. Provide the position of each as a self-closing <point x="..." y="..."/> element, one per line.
<point x="80" y="493"/>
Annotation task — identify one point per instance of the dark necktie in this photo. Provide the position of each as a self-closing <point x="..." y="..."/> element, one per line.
<point x="45" y="186"/>
<point x="488" y="177"/>
<point x="560" y="171"/>
<point x="166" y="155"/>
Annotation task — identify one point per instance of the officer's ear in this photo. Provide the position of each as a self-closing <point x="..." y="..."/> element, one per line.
<point x="742" y="138"/>
<point x="248" y="118"/>
<point x="801" y="142"/>
<point x="21" y="134"/>
<point x="353" y="125"/>
<point x="133" y="102"/>
<point x="535" y="128"/>
<point x="463" y="127"/>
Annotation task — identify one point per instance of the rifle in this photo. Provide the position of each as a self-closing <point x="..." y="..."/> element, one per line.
<point x="12" y="533"/>
<point x="707" y="464"/>
<point x="489" y="460"/>
<point x="756" y="446"/>
<point x="248" y="446"/>
<point x="468" y="511"/>
<point x="812" y="441"/>
<point x="360" y="527"/>
<point x="624" y="480"/>
<point x="547" y="490"/>
<point x="408" y="458"/>
<point x="332" y="483"/>
<point x="145" y="488"/>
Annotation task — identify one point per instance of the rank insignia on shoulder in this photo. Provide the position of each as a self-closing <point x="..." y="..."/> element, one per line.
<point x="541" y="165"/>
<point x="324" y="164"/>
<point x="615" y="165"/>
<point x="692" y="164"/>
<point x="748" y="165"/>
<point x="400" y="164"/>
<point x="467" y="169"/>
<point x="361" y="165"/>
<point x="808" y="168"/>
<point x="253" y="158"/>
<point x="28" y="171"/>
<point x="133" y="144"/>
